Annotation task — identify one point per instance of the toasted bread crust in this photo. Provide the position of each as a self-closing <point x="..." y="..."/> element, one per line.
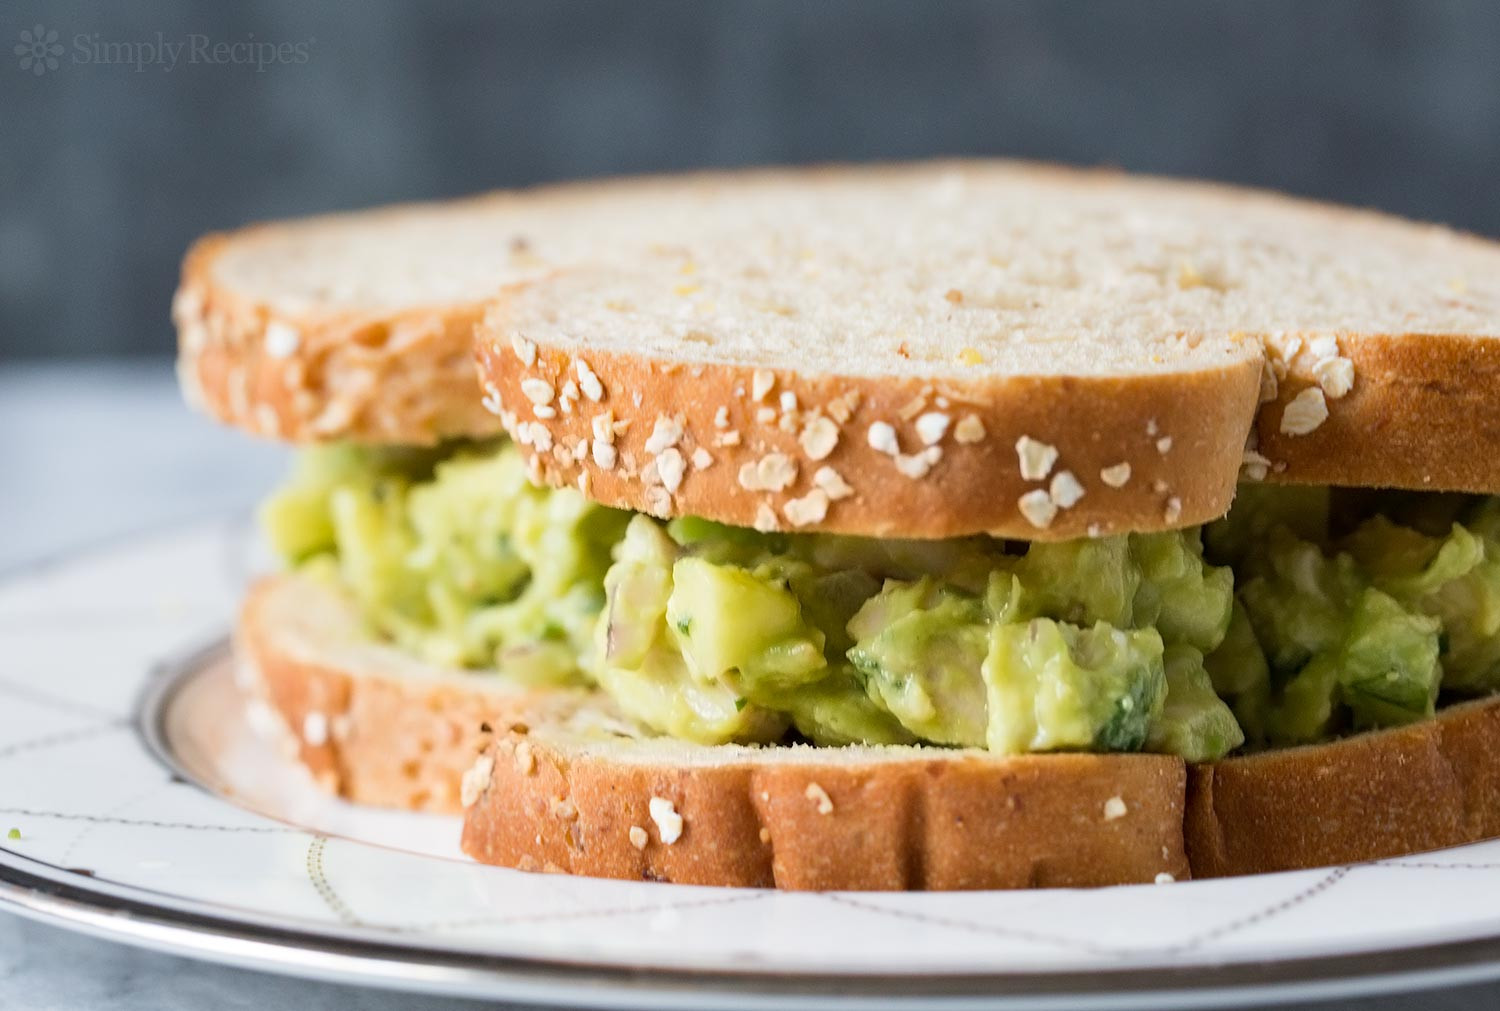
<point x="1405" y="790"/>
<point x="975" y="487"/>
<point x="932" y="822"/>
<point x="376" y="739"/>
<point x="403" y="377"/>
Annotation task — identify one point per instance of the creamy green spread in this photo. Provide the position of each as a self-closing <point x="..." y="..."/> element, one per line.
<point x="1304" y="614"/>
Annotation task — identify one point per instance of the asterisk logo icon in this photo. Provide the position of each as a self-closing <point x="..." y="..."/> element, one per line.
<point x="38" y="50"/>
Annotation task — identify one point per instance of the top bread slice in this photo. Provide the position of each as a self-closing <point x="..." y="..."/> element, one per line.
<point x="359" y="326"/>
<point x="1039" y="353"/>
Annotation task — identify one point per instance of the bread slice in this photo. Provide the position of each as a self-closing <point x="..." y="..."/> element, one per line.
<point x="359" y="326"/>
<point x="370" y="722"/>
<point x="579" y="794"/>
<point x="1036" y="353"/>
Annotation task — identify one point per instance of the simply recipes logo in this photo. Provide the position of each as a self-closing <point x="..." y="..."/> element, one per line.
<point x="40" y="50"/>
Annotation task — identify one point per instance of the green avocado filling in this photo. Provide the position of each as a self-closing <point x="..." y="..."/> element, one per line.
<point x="1304" y="614"/>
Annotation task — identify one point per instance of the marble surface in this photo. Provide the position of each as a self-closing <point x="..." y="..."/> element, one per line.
<point x="91" y="452"/>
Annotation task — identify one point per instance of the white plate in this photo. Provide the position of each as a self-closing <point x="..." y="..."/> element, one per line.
<point x="150" y="814"/>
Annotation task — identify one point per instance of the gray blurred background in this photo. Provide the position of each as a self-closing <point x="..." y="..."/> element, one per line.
<point x="110" y="168"/>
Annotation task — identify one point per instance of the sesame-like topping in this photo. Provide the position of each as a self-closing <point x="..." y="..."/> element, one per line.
<point x="315" y="729"/>
<point x="1269" y="384"/>
<point x="1165" y="878"/>
<point x="1114" y="808"/>
<point x="916" y="465"/>
<point x="788" y="400"/>
<point x="810" y="508"/>
<point x="538" y="391"/>
<point x="1335" y="376"/>
<point x="638" y="837"/>
<point x="545" y="411"/>
<point x="541" y="436"/>
<point x="842" y="408"/>
<point x="1117" y="476"/>
<point x="670" y="467"/>
<point x="882" y="438"/>
<point x="668" y="821"/>
<point x="605" y="455"/>
<point x="658" y="502"/>
<point x="729" y="438"/>
<point x="819" y="437"/>
<point x="604" y="427"/>
<point x="476" y="780"/>
<point x="819" y="796"/>
<point x="765" y="519"/>
<point x="969" y="430"/>
<point x="588" y="381"/>
<point x="931" y="427"/>
<point x="282" y="339"/>
<point x="1254" y="466"/>
<point x="702" y="459"/>
<point x="1159" y="486"/>
<point x="1065" y="490"/>
<point x="524" y="349"/>
<point x="1164" y="445"/>
<point x="491" y="399"/>
<point x="772" y="472"/>
<point x="765" y="415"/>
<point x="1306" y="412"/>
<point x="1038" y="508"/>
<point x="1173" y="510"/>
<point x="666" y="432"/>
<point x="760" y="383"/>
<point x="1036" y="458"/>
<point x="832" y="483"/>
<point x="1325" y="346"/>
<point x="721" y="418"/>
<point x="525" y="759"/>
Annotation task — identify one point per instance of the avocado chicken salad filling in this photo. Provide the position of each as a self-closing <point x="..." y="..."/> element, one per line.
<point x="1304" y="614"/>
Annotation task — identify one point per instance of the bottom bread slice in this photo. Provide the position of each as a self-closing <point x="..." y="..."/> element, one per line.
<point x="571" y="797"/>
<point x="370" y="722"/>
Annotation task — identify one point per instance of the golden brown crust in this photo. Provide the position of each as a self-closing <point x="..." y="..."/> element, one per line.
<point x="975" y="486"/>
<point x="392" y="377"/>
<point x="1420" y="412"/>
<point x="917" y="822"/>
<point x="365" y="735"/>
<point x="1406" y="790"/>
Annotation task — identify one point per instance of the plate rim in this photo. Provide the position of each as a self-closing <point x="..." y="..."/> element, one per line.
<point x="198" y="931"/>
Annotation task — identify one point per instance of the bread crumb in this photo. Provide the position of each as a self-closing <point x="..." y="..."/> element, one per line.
<point x="476" y="780"/>
<point x="1164" y="445"/>
<point x="969" y="430"/>
<point x="1037" y="458"/>
<point x="1165" y="879"/>
<point x="1065" y="490"/>
<point x="810" y="508"/>
<point x="1038" y="508"/>
<point x="969" y="356"/>
<point x="1117" y="476"/>
<point x="315" y="729"/>
<point x="524" y="349"/>
<point x="819" y="796"/>
<point x="638" y="837"/>
<point x="954" y="295"/>
<point x="931" y="427"/>
<point x="668" y="821"/>
<point x="1305" y="413"/>
<point x="882" y="438"/>
<point x="819" y="437"/>
<point x="760" y="383"/>
<point x="1114" y="808"/>
<point x="832" y="483"/>
<point x="282" y="339"/>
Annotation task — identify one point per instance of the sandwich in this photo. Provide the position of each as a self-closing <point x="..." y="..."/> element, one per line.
<point x="954" y="525"/>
